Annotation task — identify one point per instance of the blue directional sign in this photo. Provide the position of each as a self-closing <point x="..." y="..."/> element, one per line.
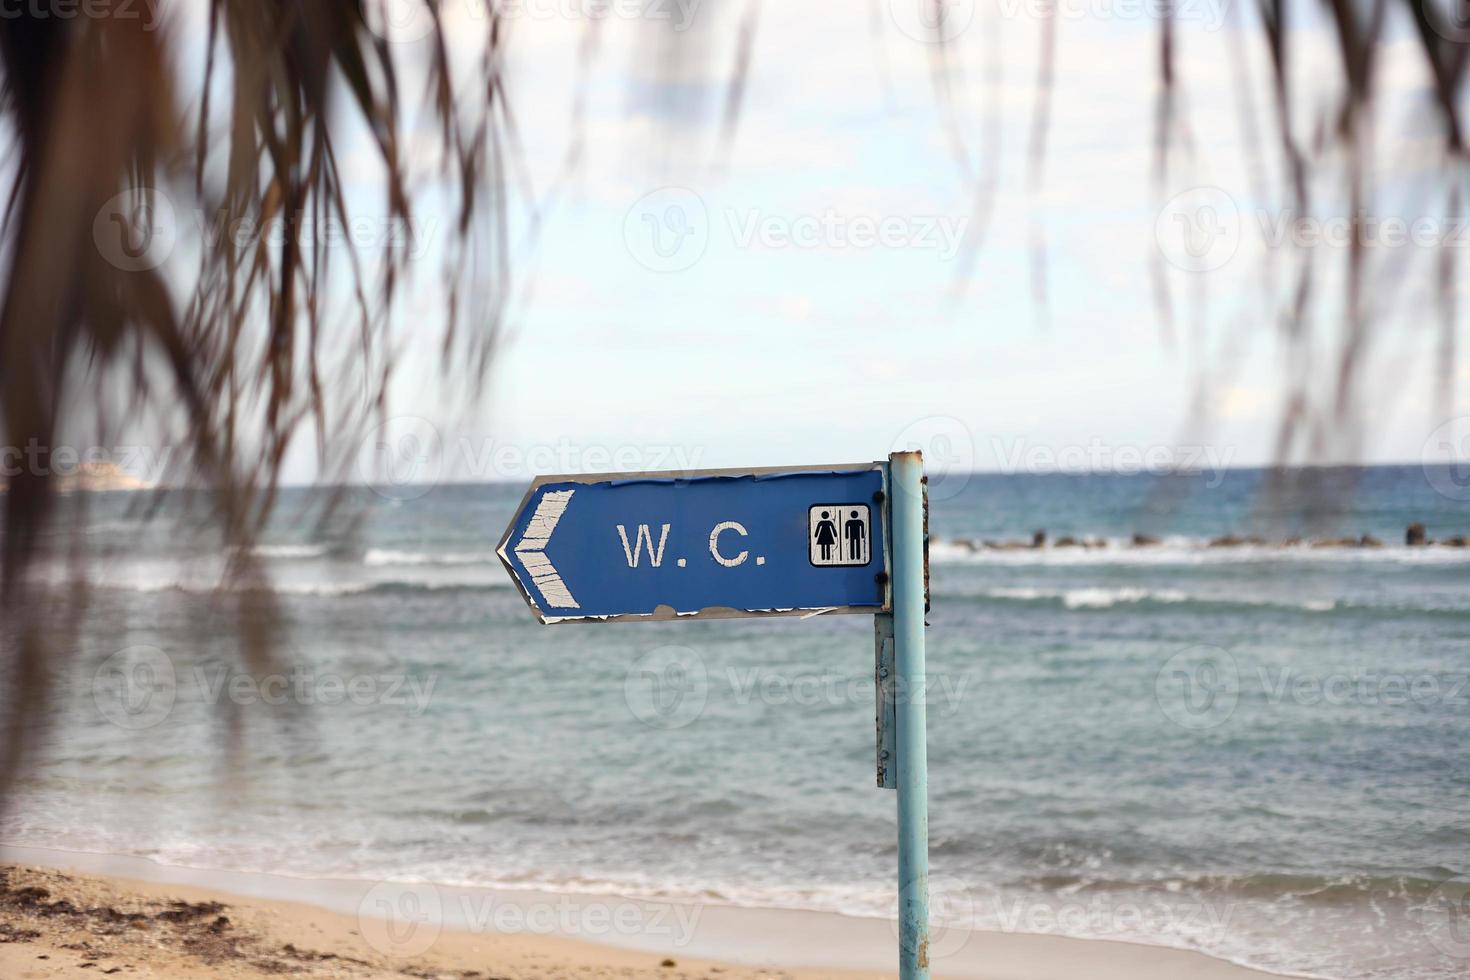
<point x="717" y="543"/>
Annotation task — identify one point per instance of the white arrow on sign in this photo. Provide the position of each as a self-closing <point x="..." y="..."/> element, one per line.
<point x="531" y="549"/>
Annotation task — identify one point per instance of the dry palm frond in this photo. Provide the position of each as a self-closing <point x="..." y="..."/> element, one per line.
<point x="264" y="337"/>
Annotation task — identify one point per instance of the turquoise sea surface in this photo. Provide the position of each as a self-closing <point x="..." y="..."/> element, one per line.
<point x="1256" y="750"/>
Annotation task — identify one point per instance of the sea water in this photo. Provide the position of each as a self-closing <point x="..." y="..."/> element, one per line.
<point x="1258" y="751"/>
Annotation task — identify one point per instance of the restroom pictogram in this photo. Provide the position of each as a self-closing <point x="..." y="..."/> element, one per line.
<point x="839" y="534"/>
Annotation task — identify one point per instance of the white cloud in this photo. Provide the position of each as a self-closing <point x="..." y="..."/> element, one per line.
<point x="838" y="115"/>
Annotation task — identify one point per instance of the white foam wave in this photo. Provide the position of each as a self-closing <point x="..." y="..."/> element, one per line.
<point x="289" y="550"/>
<point x="1187" y="551"/>
<point x="197" y="586"/>
<point x="1094" y="597"/>
<point x="379" y="557"/>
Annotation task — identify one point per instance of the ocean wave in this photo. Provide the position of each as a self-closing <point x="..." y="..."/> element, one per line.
<point x="381" y="557"/>
<point x="108" y="527"/>
<point x="305" y="589"/>
<point x="1185" y="551"/>
<point x="1089" y="598"/>
<point x="1098" y="597"/>
<point x="1318" y="889"/>
<point x="289" y="550"/>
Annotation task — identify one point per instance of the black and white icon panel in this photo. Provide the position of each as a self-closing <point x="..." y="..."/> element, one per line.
<point x="839" y="534"/>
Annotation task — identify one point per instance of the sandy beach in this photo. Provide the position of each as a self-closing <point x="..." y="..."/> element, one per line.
<point x="57" y="924"/>
<point x="56" y="921"/>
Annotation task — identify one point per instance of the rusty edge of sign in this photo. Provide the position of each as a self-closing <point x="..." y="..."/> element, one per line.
<point x="665" y="613"/>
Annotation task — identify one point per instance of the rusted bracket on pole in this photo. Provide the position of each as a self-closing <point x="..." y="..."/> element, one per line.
<point x="883" y="687"/>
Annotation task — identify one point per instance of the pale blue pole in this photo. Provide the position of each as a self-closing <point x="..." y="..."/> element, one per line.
<point x="906" y="475"/>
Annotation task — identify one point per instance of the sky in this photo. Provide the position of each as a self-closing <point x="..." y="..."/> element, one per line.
<point x="806" y="293"/>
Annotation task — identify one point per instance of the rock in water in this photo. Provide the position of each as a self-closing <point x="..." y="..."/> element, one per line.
<point x="1414" y="536"/>
<point x="1235" y="541"/>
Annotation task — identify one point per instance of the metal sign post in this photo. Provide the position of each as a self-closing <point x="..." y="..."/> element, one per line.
<point x="775" y="542"/>
<point x="906" y="477"/>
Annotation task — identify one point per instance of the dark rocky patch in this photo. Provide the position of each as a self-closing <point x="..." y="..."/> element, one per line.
<point x="10" y="934"/>
<point x="189" y="911"/>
